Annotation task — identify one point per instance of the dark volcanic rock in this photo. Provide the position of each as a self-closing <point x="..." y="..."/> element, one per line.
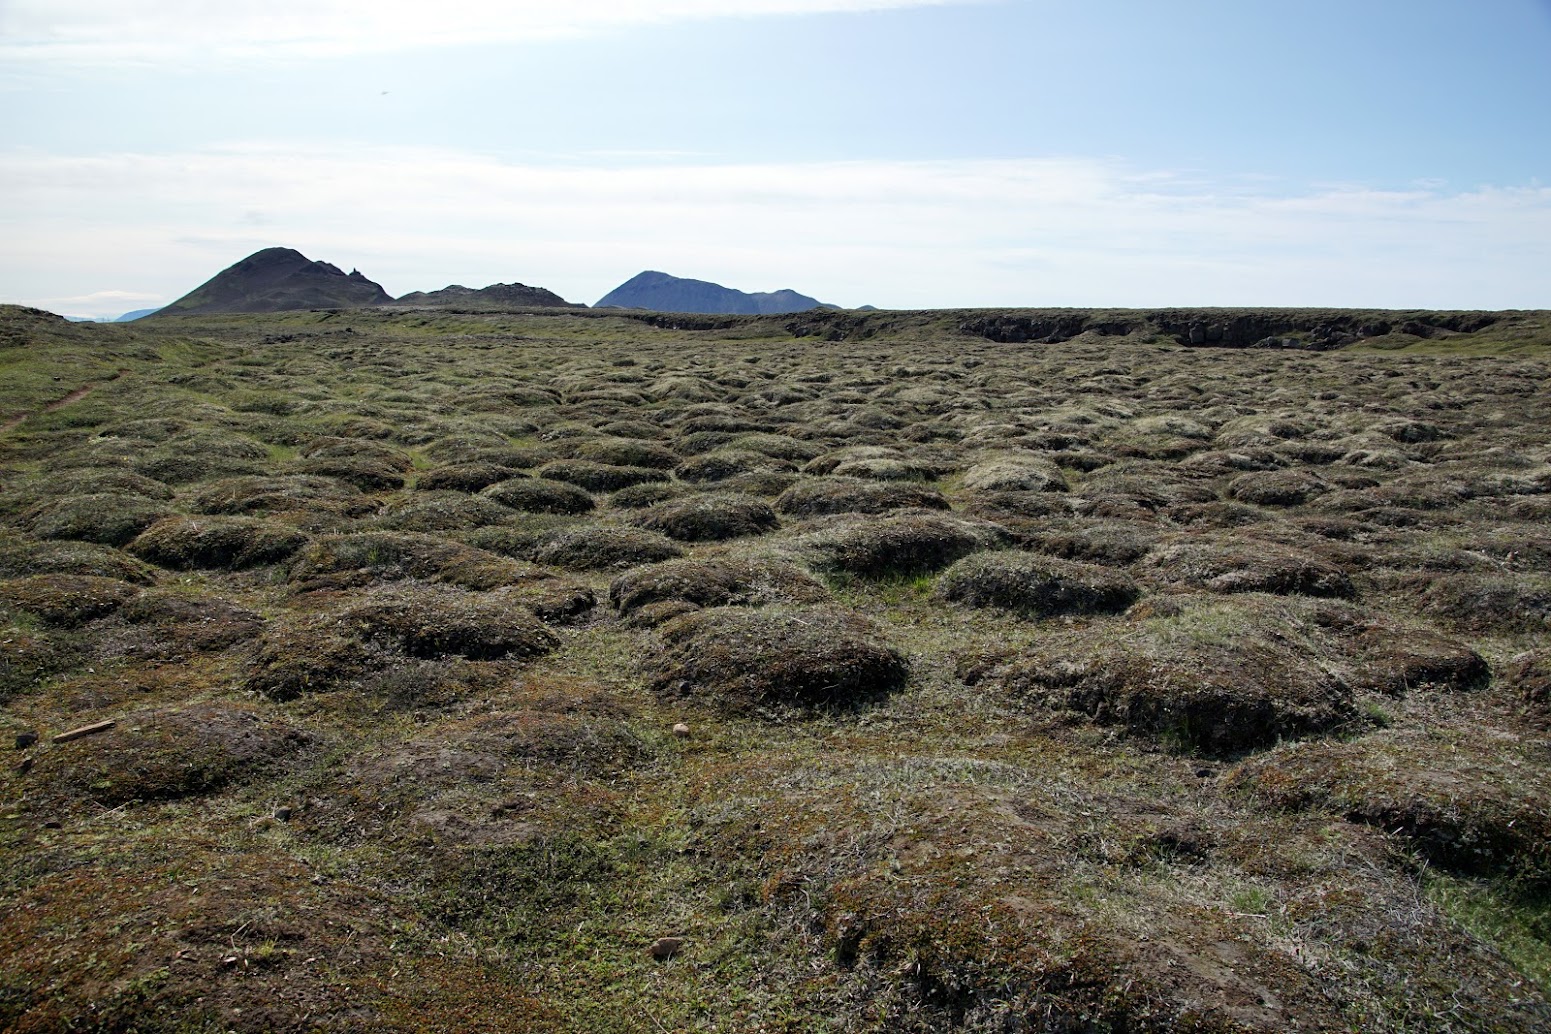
<point x="278" y="279"/>
<point x="494" y="297"/>
<point x="660" y="292"/>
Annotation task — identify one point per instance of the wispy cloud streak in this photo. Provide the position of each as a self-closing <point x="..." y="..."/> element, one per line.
<point x="154" y="30"/>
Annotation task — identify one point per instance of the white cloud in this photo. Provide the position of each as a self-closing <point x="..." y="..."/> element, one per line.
<point x="897" y="234"/>
<point x="149" y="30"/>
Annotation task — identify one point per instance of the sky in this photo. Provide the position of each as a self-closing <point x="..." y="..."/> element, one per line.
<point x="899" y="153"/>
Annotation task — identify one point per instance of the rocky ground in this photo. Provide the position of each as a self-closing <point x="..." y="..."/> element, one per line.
<point x="896" y="672"/>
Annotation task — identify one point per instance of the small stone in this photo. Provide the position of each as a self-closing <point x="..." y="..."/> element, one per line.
<point x="665" y="947"/>
<point x="25" y="740"/>
<point x="681" y="730"/>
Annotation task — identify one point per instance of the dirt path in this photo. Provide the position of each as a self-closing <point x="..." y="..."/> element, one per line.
<point x="57" y="404"/>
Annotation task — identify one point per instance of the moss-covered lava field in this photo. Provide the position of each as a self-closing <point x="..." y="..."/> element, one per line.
<point x="592" y="672"/>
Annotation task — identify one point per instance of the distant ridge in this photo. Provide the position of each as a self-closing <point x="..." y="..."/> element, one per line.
<point x="660" y="292"/>
<point x="494" y="297"/>
<point x="280" y="279"/>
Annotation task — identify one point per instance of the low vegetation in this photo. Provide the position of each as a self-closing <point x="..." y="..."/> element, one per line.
<point x="568" y="670"/>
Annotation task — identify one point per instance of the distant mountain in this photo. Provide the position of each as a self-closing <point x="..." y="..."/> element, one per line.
<point x="130" y="317"/>
<point x="660" y="292"/>
<point x="496" y="296"/>
<point x="278" y="279"/>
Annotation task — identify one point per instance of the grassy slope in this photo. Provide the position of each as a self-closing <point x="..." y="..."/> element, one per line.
<point x="418" y="840"/>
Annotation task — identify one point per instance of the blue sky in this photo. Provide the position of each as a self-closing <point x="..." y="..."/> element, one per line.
<point x="903" y="153"/>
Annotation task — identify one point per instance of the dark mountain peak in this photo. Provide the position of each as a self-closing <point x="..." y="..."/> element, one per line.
<point x="660" y="292"/>
<point x="494" y="297"/>
<point x="278" y="279"/>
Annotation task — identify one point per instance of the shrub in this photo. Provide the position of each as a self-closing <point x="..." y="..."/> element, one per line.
<point x="740" y="659"/>
<point x="1039" y="586"/>
<point x="184" y="543"/>
<point x="436" y="620"/>
<point x="709" y="518"/>
<point x="824" y="496"/>
<point x="108" y="519"/>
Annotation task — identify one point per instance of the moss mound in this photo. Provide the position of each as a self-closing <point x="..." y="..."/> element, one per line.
<point x="443" y="512"/>
<point x="740" y="659"/>
<point x="1111" y="543"/>
<point x="628" y="452"/>
<point x="429" y="620"/>
<point x="1277" y="487"/>
<point x="186" y="543"/>
<point x="709" y="518"/>
<point x="713" y="583"/>
<point x="108" y="519"/>
<point x="1014" y="474"/>
<point x="99" y="481"/>
<point x="1244" y="566"/>
<point x="1490" y="603"/>
<point x="306" y="653"/>
<point x="1039" y="586"/>
<point x="342" y="561"/>
<point x="599" y="477"/>
<point x="20" y="556"/>
<point x="1220" y="678"/>
<point x="722" y="464"/>
<point x="66" y="599"/>
<point x="365" y="474"/>
<point x="1468" y="799"/>
<point x="465" y="477"/>
<point x="602" y="548"/>
<point x="817" y="497"/>
<point x="169" y="624"/>
<point x="247" y="496"/>
<point x="166" y="754"/>
<point x="903" y="545"/>
<point x="540" y="495"/>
